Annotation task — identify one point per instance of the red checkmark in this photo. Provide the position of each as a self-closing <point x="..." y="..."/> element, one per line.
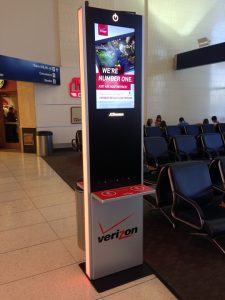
<point x="110" y="228"/>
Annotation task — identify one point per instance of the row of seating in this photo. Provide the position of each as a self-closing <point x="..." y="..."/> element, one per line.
<point x="185" y="192"/>
<point x="170" y="131"/>
<point x="181" y="147"/>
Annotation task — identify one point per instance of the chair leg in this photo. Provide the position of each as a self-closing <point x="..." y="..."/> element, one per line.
<point x="218" y="245"/>
<point x="214" y="241"/>
<point x="162" y="211"/>
<point x="168" y="218"/>
<point x="199" y="234"/>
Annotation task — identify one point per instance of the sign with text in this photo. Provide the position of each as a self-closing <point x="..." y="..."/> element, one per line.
<point x="75" y="115"/>
<point x="75" y="87"/>
<point x="24" y="70"/>
<point x="115" y="66"/>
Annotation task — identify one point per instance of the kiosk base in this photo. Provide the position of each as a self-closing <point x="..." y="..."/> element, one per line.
<point x="117" y="279"/>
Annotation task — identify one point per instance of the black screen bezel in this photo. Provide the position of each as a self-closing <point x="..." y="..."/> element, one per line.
<point x="114" y="143"/>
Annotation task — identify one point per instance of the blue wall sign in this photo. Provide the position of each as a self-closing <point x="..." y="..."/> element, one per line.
<point x="25" y="70"/>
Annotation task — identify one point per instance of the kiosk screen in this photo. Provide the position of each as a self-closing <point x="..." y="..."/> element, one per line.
<point x="115" y="66"/>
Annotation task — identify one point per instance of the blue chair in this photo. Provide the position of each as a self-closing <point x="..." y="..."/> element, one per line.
<point x="208" y="128"/>
<point x="194" y="202"/>
<point x="171" y="131"/>
<point x="213" y="143"/>
<point x="221" y="127"/>
<point x="157" y="154"/>
<point x="152" y="131"/>
<point x="217" y="173"/>
<point x="157" y="151"/>
<point x="187" y="149"/>
<point x="192" y="130"/>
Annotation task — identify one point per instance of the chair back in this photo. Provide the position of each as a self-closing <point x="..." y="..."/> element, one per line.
<point x="173" y="130"/>
<point x="192" y="180"/>
<point x="79" y="140"/>
<point x="156" y="146"/>
<point x="152" y="131"/>
<point x="163" y="189"/>
<point x="208" y="128"/>
<point x="216" y="171"/>
<point x="185" y="143"/>
<point x="192" y="130"/>
<point x="213" y="141"/>
<point x="221" y="127"/>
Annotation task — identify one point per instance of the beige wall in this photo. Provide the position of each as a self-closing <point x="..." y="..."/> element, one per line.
<point x="46" y="31"/>
<point x="30" y="30"/>
<point x="174" y="27"/>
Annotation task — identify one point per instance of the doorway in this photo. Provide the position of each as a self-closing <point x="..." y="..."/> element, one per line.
<point x="9" y="118"/>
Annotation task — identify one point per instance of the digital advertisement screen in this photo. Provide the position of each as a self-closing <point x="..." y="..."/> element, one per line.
<point x="115" y="66"/>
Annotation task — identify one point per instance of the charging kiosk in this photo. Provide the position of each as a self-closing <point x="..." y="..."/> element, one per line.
<point x="111" y="71"/>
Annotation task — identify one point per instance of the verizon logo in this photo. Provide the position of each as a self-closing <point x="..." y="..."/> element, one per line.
<point x="119" y="234"/>
<point x="103" y="29"/>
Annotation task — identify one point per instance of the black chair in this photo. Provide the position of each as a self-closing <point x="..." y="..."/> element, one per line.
<point x="213" y="144"/>
<point x="152" y="131"/>
<point x="164" y="198"/>
<point x="77" y="142"/>
<point x="208" y="128"/>
<point x="194" y="202"/>
<point x="187" y="149"/>
<point x="192" y="130"/>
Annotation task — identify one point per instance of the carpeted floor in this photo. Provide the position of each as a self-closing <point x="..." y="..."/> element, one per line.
<point x="68" y="164"/>
<point x="191" y="267"/>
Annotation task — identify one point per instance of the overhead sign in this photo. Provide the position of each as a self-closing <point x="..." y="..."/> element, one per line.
<point x="24" y="70"/>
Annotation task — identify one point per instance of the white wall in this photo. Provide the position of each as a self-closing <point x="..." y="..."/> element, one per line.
<point x="53" y="105"/>
<point x="195" y="93"/>
<point x="29" y="30"/>
<point x="46" y="31"/>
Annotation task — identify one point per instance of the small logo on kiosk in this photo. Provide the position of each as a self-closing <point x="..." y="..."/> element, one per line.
<point x="114" y="114"/>
<point x="115" y="17"/>
<point x="103" y="29"/>
<point x="119" y="234"/>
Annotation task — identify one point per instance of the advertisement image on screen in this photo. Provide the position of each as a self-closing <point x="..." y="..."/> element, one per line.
<point x="115" y="66"/>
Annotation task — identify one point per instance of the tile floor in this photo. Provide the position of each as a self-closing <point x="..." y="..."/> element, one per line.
<point x="39" y="255"/>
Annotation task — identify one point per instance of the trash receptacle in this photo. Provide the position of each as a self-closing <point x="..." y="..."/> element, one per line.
<point x="44" y="143"/>
<point x="80" y="216"/>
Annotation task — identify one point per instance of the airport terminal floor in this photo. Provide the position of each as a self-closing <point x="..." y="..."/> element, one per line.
<point x="39" y="256"/>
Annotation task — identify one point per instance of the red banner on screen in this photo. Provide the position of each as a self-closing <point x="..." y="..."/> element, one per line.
<point x="119" y="82"/>
<point x="103" y="29"/>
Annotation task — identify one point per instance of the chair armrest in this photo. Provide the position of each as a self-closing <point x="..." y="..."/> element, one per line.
<point x="151" y="158"/>
<point x="212" y="150"/>
<point x="181" y="152"/>
<point x="175" y="155"/>
<point x="205" y="152"/>
<point x="197" y="211"/>
<point x="220" y="188"/>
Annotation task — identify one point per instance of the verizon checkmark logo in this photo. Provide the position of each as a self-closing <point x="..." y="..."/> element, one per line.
<point x="119" y="234"/>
